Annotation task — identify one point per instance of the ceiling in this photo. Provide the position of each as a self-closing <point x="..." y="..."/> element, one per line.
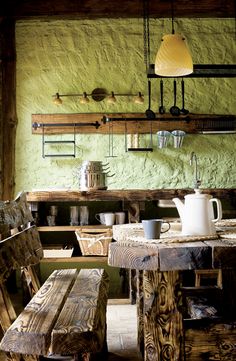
<point x="92" y="9"/>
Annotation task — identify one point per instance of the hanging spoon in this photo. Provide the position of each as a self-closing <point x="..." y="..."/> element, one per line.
<point x="161" y="108"/>
<point x="183" y="110"/>
<point x="174" y="110"/>
<point x="149" y="113"/>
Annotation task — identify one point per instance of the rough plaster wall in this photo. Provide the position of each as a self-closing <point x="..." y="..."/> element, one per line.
<point x="76" y="56"/>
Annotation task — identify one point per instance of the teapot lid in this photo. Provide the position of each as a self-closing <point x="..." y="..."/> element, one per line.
<point x="198" y="195"/>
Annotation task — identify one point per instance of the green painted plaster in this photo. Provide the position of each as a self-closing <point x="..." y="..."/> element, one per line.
<point x="80" y="55"/>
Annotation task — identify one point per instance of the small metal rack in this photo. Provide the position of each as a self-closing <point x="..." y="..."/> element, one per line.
<point x="72" y="141"/>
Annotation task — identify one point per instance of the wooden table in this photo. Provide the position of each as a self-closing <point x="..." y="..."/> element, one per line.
<point x="160" y="317"/>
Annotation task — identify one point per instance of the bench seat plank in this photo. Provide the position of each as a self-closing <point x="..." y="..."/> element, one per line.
<point x="31" y="332"/>
<point x="81" y="326"/>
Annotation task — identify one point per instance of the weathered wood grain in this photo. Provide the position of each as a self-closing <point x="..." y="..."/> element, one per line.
<point x="185" y="256"/>
<point x="192" y="123"/>
<point x="125" y="195"/>
<point x="14" y="215"/>
<point x="93" y="9"/>
<point x="210" y="342"/>
<point x="81" y="326"/>
<point x="140" y="311"/>
<point x="135" y="257"/>
<point x="163" y="330"/>
<point x="8" y="107"/>
<point x="224" y="253"/>
<point x="31" y="331"/>
<point x="22" y="249"/>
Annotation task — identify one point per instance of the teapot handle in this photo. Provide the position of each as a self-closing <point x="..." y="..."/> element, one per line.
<point x="219" y="209"/>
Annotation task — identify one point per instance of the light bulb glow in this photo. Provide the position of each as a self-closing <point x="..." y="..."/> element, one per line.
<point x="173" y="57"/>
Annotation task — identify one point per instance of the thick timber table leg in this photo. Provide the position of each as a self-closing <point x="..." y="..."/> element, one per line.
<point x="163" y="329"/>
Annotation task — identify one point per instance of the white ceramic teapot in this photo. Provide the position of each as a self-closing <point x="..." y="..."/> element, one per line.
<point x="197" y="214"/>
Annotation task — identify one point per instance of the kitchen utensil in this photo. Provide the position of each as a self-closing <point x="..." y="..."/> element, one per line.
<point x="178" y="137"/>
<point x="161" y="108"/>
<point x="149" y="113"/>
<point x="197" y="214"/>
<point x="174" y="110"/>
<point x="183" y="110"/>
<point x="162" y="138"/>
<point x="93" y="175"/>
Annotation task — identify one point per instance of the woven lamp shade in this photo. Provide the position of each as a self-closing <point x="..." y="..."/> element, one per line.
<point x="173" y="57"/>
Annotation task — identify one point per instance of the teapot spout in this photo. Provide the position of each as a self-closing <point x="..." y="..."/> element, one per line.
<point x="180" y="207"/>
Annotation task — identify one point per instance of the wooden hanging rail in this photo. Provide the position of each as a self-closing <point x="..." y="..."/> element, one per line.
<point x="135" y="122"/>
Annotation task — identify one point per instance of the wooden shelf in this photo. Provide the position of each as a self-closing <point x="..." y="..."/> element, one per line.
<point x="134" y="122"/>
<point x="95" y="228"/>
<point x="129" y="195"/>
<point x="82" y="259"/>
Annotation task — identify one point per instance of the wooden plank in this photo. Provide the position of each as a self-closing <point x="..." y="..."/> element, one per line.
<point x="31" y="331"/>
<point x="22" y="249"/>
<point x="88" y="228"/>
<point x="8" y="111"/>
<point x="134" y="256"/>
<point x="163" y="330"/>
<point x="223" y="253"/>
<point x="88" y="260"/>
<point x="16" y="213"/>
<point x="191" y="123"/>
<point x="81" y="326"/>
<point x="140" y="311"/>
<point x="210" y="342"/>
<point x="125" y="195"/>
<point x="185" y="256"/>
<point x="93" y="9"/>
<point x="7" y="312"/>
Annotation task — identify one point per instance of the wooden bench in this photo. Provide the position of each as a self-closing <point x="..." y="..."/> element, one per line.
<point x="67" y="316"/>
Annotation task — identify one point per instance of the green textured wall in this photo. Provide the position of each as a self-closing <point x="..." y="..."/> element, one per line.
<point x="80" y="55"/>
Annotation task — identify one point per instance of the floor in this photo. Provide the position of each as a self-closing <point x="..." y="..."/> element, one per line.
<point x="121" y="332"/>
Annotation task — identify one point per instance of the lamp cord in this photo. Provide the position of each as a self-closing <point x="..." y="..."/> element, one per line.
<point x="146" y="34"/>
<point x="172" y="16"/>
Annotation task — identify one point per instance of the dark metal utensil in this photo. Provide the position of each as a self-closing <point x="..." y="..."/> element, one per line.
<point x="174" y="110"/>
<point x="183" y="110"/>
<point x="149" y="113"/>
<point x="161" y="108"/>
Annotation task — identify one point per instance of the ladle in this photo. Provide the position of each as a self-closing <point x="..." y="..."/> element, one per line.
<point x="161" y="108"/>
<point x="149" y="113"/>
<point x="183" y="110"/>
<point x="174" y="110"/>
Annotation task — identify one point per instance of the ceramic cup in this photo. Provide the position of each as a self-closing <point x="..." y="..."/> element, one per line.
<point x="120" y="217"/>
<point x="100" y="217"/>
<point x="109" y="219"/>
<point x="152" y="228"/>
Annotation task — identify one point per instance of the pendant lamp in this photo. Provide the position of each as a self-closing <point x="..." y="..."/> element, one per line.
<point x="173" y="58"/>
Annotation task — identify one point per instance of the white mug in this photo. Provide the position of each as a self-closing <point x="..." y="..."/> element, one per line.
<point x="120" y="217"/>
<point x="109" y="219"/>
<point x="100" y="217"/>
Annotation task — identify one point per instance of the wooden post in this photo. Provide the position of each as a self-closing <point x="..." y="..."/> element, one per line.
<point x="9" y="118"/>
<point x="163" y="329"/>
